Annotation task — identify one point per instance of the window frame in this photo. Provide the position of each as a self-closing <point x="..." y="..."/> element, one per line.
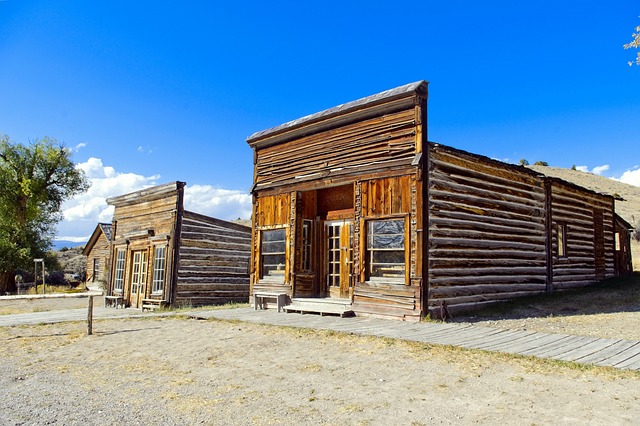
<point x="96" y="269"/>
<point x="159" y="270"/>
<point x="274" y="279"/>
<point x="119" y="270"/>
<point x="306" y="262"/>
<point x="561" y="240"/>
<point x="402" y="278"/>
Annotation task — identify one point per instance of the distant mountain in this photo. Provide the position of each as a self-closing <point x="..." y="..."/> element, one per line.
<point x="58" y="244"/>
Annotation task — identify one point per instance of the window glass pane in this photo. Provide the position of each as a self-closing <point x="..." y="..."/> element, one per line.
<point x="306" y="244"/>
<point x="387" y="226"/>
<point x="158" y="269"/>
<point x="387" y="241"/>
<point x="273" y="235"/>
<point x="388" y="257"/>
<point x="387" y="271"/>
<point x="272" y="254"/>
<point x="386" y="249"/>
<point x="119" y="281"/>
<point x="273" y="246"/>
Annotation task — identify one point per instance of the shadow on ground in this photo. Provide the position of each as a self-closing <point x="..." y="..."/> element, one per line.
<point x="610" y="296"/>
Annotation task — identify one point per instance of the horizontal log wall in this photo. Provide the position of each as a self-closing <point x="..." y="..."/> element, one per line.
<point x="486" y="230"/>
<point x="213" y="265"/>
<point x="585" y="215"/>
<point x="369" y="145"/>
<point x="387" y="300"/>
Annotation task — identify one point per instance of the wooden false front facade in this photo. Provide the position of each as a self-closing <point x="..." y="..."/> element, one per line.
<point x="354" y="203"/>
<point x="163" y="255"/>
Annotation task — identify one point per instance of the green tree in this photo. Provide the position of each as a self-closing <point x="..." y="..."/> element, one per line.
<point x="635" y="43"/>
<point x="35" y="180"/>
<point x="540" y="163"/>
<point x="523" y="162"/>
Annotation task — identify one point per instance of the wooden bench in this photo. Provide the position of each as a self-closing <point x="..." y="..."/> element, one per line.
<point x="259" y="296"/>
<point x="115" y="301"/>
<point x="152" y="304"/>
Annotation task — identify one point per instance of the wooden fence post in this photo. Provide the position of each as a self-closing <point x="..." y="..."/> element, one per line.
<point x="90" y="317"/>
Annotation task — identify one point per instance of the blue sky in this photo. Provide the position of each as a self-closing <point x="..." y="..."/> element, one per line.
<point x="151" y="92"/>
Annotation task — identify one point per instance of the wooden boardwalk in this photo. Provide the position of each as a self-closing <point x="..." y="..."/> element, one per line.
<point x="618" y="353"/>
<point x="80" y="314"/>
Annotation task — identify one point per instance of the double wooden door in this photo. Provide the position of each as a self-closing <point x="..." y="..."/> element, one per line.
<point x="338" y="242"/>
<point x="138" y="278"/>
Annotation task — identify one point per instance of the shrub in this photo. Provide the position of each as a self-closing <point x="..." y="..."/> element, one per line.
<point x="56" y="278"/>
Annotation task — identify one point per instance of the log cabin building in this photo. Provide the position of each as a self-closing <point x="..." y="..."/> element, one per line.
<point x="355" y="206"/>
<point x="97" y="250"/>
<point x="164" y="255"/>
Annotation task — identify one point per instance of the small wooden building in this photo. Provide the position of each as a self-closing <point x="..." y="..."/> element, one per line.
<point x="622" y="240"/>
<point x="354" y="204"/>
<point x="164" y="255"/>
<point x="97" y="251"/>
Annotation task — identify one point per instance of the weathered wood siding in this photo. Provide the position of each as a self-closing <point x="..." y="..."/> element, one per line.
<point x="588" y="217"/>
<point x="486" y="229"/>
<point x="350" y="149"/>
<point x="271" y="212"/>
<point x="100" y="253"/>
<point x="624" y="264"/>
<point x="213" y="261"/>
<point x="394" y="197"/>
<point x="137" y="218"/>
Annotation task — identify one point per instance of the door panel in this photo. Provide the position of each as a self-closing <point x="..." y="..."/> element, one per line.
<point x="138" y="278"/>
<point x="339" y="258"/>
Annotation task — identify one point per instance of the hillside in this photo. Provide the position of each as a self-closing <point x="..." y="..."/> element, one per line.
<point x="628" y="207"/>
<point x="71" y="260"/>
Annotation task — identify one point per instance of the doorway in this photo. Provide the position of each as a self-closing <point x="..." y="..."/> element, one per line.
<point x="338" y="258"/>
<point x="138" y="278"/>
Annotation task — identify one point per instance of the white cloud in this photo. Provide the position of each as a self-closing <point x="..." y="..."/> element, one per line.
<point x="631" y="176"/>
<point x="220" y="203"/>
<point x="79" y="146"/>
<point x="82" y="213"/>
<point x="145" y="149"/>
<point x="598" y="170"/>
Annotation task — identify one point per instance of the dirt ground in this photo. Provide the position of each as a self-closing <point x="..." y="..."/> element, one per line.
<point x="170" y="371"/>
<point x="179" y="371"/>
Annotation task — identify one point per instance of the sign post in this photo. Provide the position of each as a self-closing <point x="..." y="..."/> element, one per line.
<point x="35" y="275"/>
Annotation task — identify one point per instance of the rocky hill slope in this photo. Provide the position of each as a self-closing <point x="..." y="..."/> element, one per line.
<point x="71" y="260"/>
<point x="628" y="196"/>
